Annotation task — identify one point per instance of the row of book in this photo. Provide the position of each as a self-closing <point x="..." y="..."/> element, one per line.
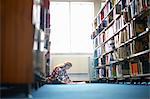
<point x="105" y="16"/>
<point x="118" y="24"/>
<point x="115" y="71"/>
<point x="132" y="67"/>
<point x="109" y="32"/>
<point x="133" y="47"/>
<point x="109" y="46"/>
<point x="134" y="8"/>
<point x="100" y="22"/>
<point x="122" y="52"/>
<point x="121" y="37"/>
<point x="108" y="59"/>
<point x="128" y="14"/>
<point x="131" y="30"/>
<point x="105" y="10"/>
<point x="109" y="51"/>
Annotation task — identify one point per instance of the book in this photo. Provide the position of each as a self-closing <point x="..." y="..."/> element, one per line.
<point x="99" y="52"/>
<point x="46" y="44"/>
<point x="132" y="7"/>
<point x="100" y="62"/>
<point x="127" y="14"/>
<point x="42" y="18"/>
<point x="145" y="4"/>
<point x="128" y="31"/>
<point x="140" y="68"/>
<point x="115" y="56"/>
<point x="125" y="68"/>
<point x="124" y="4"/>
<point x="105" y="10"/>
<point x="103" y="60"/>
<point x="95" y="23"/>
<point x="96" y="62"/>
<point x="102" y="73"/>
<point x="113" y="2"/>
<point x="108" y="72"/>
<point x="136" y="11"/>
<point x="118" y="9"/>
<point x="122" y="52"/>
<point x="121" y="37"/>
<point x="145" y="67"/>
<point x="119" y="70"/>
<point x="110" y="17"/>
<point x="98" y="20"/>
<point x="104" y="23"/>
<point x="102" y="15"/>
<point x="116" y="40"/>
<point x="109" y="46"/>
<point x="103" y="49"/>
<point x="142" y="44"/>
<point x="47" y="19"/>
<point x="132" y="47"/>
<point x="114" y="73"/>
<point x="95" y="53"/>
<point x="140" y="26"/>
<point x="145" y="60"/>
<point x="132" y="31"/>
<point x="107" y="59"/>
<point x="45" y="4"/>
<point x="128" y="50"/>
<point x="134" y="67"/>
<point x="96" y="42"/>
<point x="148" y="21"/>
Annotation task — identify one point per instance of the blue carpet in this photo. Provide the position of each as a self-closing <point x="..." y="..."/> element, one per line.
<point x="92" y="91"/>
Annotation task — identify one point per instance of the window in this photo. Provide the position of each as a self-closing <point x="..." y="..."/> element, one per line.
<point x="71" y="27"/>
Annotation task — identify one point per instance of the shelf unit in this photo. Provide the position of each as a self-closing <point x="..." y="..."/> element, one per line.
<point x="41" y="46"/>
<point x="121" y="37"/>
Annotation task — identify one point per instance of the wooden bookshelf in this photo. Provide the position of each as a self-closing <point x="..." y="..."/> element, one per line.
<point x="118" y="41"/>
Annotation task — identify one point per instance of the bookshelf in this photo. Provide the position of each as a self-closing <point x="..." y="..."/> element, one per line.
<point x="121" y="35"/>
<point x="41" y="46"/>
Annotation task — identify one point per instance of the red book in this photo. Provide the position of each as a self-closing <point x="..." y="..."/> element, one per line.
<point x="134" y="68"/>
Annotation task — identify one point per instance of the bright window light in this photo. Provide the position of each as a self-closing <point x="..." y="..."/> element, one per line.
<point x="71" y="27"/>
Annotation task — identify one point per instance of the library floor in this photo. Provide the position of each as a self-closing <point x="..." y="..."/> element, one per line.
<point x="92" y="91"/>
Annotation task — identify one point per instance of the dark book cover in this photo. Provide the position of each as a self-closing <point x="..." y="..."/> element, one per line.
<point x="42" y="18"/>
<point x="123" y="4"/>
<point x="118" y="9"/>
<point x="146" y="67"/>
<point x="125" y="68"/>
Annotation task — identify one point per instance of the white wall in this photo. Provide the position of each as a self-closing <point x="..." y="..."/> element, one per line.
<point x="80" y="68"/>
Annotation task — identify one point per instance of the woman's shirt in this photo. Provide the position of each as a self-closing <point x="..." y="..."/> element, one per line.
<point x="60" y="74"/>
